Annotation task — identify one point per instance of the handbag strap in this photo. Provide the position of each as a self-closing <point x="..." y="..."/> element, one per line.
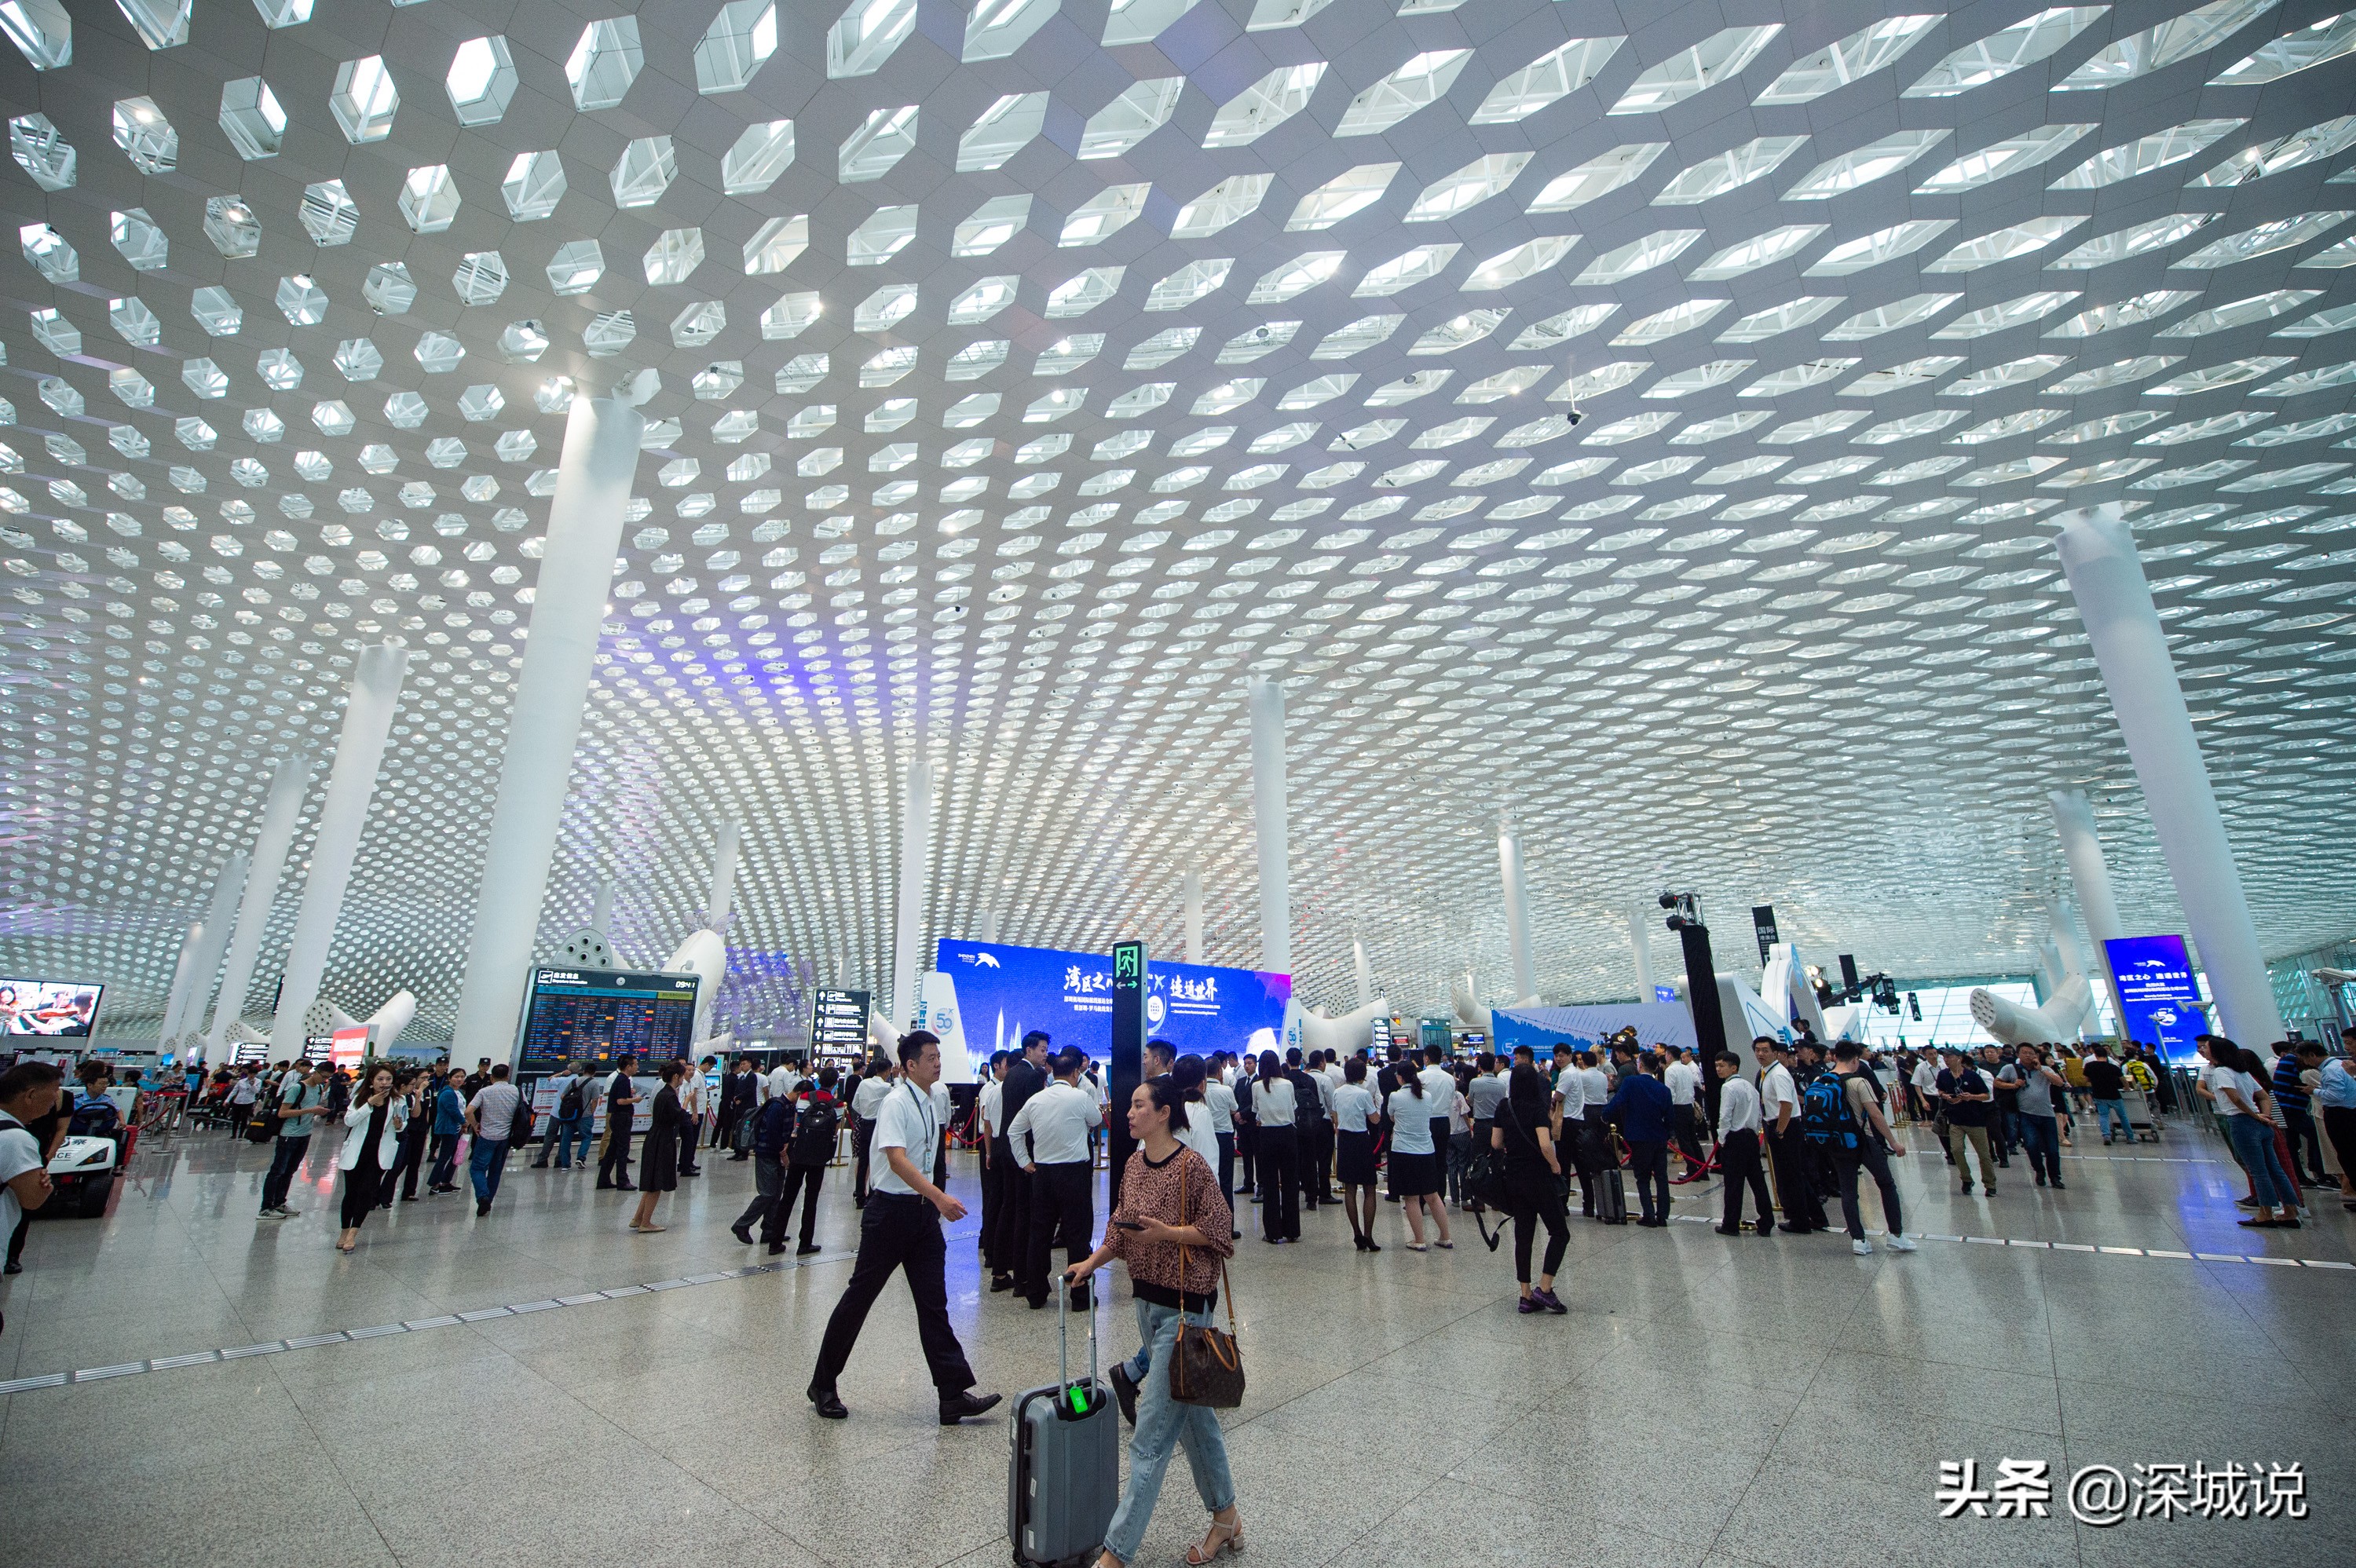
<point x="1226" y="1290"/>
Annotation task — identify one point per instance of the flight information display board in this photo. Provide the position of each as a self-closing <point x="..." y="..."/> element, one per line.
<point x="603" y="1015"/>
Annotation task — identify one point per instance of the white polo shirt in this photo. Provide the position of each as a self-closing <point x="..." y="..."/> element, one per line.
<point x="904" y="1121"/>
<point x="1775" y="1091"/>
<point x="867" y="1104"/>
<point x="990" y="1092"/>
<point x="1220" y="1102"/>
<point x="1738" y="1107"/>
<point x="1571" y="1088"/>
<point x="1682" y="1078"/>
<point x="1052" y="1127"/>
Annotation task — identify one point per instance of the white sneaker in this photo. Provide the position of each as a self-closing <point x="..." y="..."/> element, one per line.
<point x="1862" y="1249"/>
<point x="1901" y="1245"/>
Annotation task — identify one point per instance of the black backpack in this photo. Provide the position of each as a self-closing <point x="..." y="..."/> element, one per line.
<point x="264" y="1124"/>
<point x="815" y="1123"/>
<point x="568" y="1109"/>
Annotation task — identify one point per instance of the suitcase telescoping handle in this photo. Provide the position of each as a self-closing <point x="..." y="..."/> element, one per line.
<point x="1064" y="1389"/>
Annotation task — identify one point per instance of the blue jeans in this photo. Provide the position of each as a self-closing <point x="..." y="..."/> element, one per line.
<point x="1162" y="1425"/>
<point x="2104" y="1110"/>
<point x="571" y="1141"/>
<point x="2254" y="1146"/>
<point x="489" y="1159"/>
<point x="2041" y="1135"/>
<point x="1139" y="1364"/>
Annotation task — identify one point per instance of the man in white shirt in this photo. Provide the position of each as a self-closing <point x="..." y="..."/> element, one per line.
<point x="783" y="1079"/>
<point x="491" y="1117"/>
<point x="1683" y="1082"/>
<point x="27" y="1091"/>
<point x="995" y="1162"/>
<point x="1220" y="1102"/>
<point x="866" y="1105"/>
<point x="1779" y="1106"/>
<point x="902" y="1230"/>
<point x="1739" y="1130"/>
<point x="1440" y="1093"/>
<point x="1050" y="1138"/>
<point x="694" y="1099"/>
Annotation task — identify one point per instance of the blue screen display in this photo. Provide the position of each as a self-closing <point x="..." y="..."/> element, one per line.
<point x="1003" y="992"/>
<point x="2158" y="993"/>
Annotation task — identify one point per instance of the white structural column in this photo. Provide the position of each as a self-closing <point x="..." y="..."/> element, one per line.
<point x="601" y="911"/>
<point x="986" y="925"/>
<point x="1193" y="915"/>
<point x="584" y="528"/>
<point x="220" y="915"/>
<point x="175" y="1000"/>
<point x="915" y="847"/>
<point x="280" y="812"/>
<point x="1267" y="700"/>
<point x="336" y="840"/>
<point x="2114" y="602"/>
<point x="1640" y="942"/>
<point x="723" y="875"/>
<point x="2074" y="820"/>
<point x="1364" y="976"/>
<point x="1517" y="914"/>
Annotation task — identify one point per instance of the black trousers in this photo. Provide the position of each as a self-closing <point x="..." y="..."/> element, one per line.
<point x="409" y="1157"/>
<point x="613" y="1169"/>
<point x="1737" y="1158"/>
<point x="802" y="1181"/>
<point x="897" y="1232"/>
<point x="862" y="1138"/>
<point x="1227" y="1169"/>
<point x="1248" y="1151"/>
<point x="1684" y="1131"/>
<point x="998" y="1207"/>
<point x="1316" y="1185"/>
<point x="1062" y="1211"/>
<point x="768" y="1183"/>
<point x="687" y="1139"/>
<point x="362" y="1188"/>
<point x="1872" y="1158"/>
<point x="1794" y="1179"/>
<point x="1280" y="1182"/>
<point x="1536" y="1202"/>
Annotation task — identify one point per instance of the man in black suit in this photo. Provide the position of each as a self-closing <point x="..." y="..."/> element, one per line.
<point x="740" y="1092"/>
<point x="1024" y="1077"/>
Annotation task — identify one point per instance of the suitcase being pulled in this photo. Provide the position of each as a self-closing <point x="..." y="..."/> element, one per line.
<point x="1063" y="1474"/>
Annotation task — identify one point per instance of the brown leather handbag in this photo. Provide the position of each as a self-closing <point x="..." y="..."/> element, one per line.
<point x="1207" y="1370"/>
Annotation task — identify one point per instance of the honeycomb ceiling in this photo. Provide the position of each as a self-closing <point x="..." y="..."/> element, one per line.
<point x="1645" y="422"/>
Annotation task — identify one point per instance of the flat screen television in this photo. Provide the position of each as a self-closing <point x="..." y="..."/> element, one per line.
<point x="54" y="1008"/>
<point x="602" y="1015"/>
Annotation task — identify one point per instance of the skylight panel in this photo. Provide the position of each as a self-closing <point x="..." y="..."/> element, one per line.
<point x="2011" y="312"/>
<point x="1190" y="283"/>
<point x="1716" y="59"/>
<point x="866" y="35"/>
<point x="2280" y="234"/>
<point x="1230" y="201"/>
<point x="2102" y="377"/>
<point x="2012" y="373"/>
<point x="1423" y="79"/>
<point x="1999" y="159"/>
<point x="1267" y="16"/>
<point x="993" y="223"/>
<point x="2284" y="153"/>
<point x="1404" y="271"/>
<point x="1103" y="215"/>
<point x="1835" y="64"/>
<point x="1142" y="21"/>
<point x="2019" y="239"/>
<point x="1875" y="160"/>
<point x="883" y="235"/>
<point x="1760" y="324"/>
<point x="1079" y="295"/>
<point x="1351" y="191"/>
<point x="2241" y="312"/>
<point x="1503" y="385"/>
<point x="2114" y="164"/>
<point x="1407" y="389"/>
<point x="1625" y="262"/>
<point x="2135" y="312"/>
<point x="1296" y="277"/>
<point x="2136" y="239"/>
<point x="1556" y="74"/>
<point x="1475" y="183"/>
<point x="984" y="298"/>
<point x="1764" y="251"/>
<point x="1662" y="326"/>
<point x="1698" y="379"/>
<point x="1005" y="128"/>
<point x="1264" y="105"/>
<point x="1729" y="170"/>
<point x="881" y="140"/>
<point x="1163" y="346"/>
<point x="1524" y="261"/>
<point x="996" y="28"/>
<point x="1562" y="328"/>
<point x="1458" y="332"/>
<point x="1599" y="176"/>
<point x="2293" y="52"/>
<point x="1254" y="343"/>
<point x="2027" y="41"/>
<point x="1912" y="311"/>
<point x="1140" y="109"/>
<point x="2156" y="48"/>
<point x="1881" y="245"/>
<point x="1362" y="334"/>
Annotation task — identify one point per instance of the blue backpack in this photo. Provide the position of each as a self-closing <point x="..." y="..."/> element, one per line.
<point x="1827" y="1121"/>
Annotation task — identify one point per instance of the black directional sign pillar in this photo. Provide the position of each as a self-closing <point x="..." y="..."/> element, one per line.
<point x="1128" y="1067"/>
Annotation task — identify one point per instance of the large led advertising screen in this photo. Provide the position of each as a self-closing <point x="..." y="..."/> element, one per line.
<point x="1003" y="992"/>
<point x="57" y="1008"/>
<point x="603" y="1015"/>
<point x="2158" y="992"/>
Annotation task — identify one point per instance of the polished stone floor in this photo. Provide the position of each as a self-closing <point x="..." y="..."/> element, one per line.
<point x="1708" y="1400"/>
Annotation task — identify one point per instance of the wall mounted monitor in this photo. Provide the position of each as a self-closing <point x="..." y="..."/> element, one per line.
<point x="53" y="1007"/>
<point x="603" y="1015"/>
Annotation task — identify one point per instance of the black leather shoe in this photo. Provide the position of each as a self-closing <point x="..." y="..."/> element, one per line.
<point x="965" y="1404"/>
<point x="828" y="1405"/>
<point x="805" y="1249"/>
<point x="1124" y="1392"/>
<point x="776" y="1248"/>
<point x="740" y="1233"/>
<point x="1000" y="1282"/>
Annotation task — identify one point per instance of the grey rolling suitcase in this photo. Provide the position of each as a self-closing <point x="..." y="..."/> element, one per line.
<point x="1610" y="1196"/>
<point x="1063" y="1477"/>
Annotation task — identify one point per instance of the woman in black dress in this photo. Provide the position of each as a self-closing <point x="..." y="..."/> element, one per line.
<point x="659" y="1161"/>
<point x="372" y="1148"/>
